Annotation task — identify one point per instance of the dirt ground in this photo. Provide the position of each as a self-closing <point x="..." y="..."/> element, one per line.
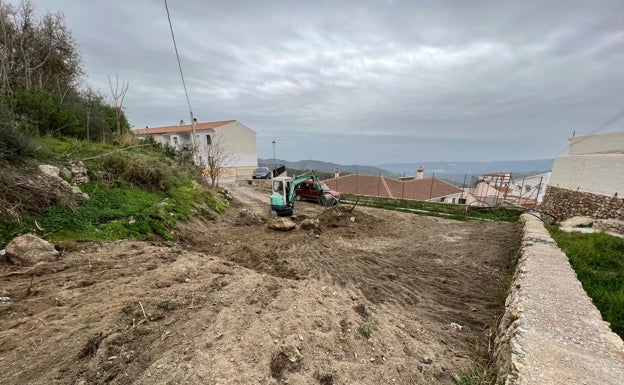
<point x="371" y="297"/>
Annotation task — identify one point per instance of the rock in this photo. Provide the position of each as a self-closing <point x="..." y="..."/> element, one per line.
<point x="456" y="326"/>
<point x="310" y="224"/>
<point x="577" y="221"/>
<point x="281" y="224"/>
<point x="76" y="190"/>
<point x="79" y="171"/>
<point x="28" y="250"/>
<point x="49" y="170"/>
<point x="426" y="360"/>
<point x="610" y="225"/>
<point x="54" y="172"/>
<point x="292" y="353"/>
<point x="65" y="173"/>
<point x="248" y="217"/>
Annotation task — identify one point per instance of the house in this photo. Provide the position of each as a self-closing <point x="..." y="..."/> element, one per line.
<point x="528" y="190"/>
<point x="496" y="179"/>
<point x="589" y="180"/>
<point x="488" y="194"/>
<point x="430" y="189"/>
<point x="238" y="140"/>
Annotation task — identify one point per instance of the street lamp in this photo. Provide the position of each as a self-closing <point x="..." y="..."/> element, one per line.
<point x="274" y="165"/>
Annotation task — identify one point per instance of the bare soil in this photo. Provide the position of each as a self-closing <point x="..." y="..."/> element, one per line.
<point x="371" y="297"/>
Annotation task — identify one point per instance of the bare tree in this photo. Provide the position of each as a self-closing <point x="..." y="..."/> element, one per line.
<point x="218" y="157"/>
<point x="118" y="97"/>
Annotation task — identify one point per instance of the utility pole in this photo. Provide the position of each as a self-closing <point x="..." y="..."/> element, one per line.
<point x="431" y="190"/>
<point x="274" y="164"/>
<point x="194" y="140"/>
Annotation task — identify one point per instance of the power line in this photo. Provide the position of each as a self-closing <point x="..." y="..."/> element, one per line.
<point x="188" y="100"/>
<point x="609" y="122"/>
<point x="175" y="46"/>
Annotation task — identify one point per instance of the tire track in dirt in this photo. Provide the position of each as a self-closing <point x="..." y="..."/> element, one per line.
<point x="363" y="300"/>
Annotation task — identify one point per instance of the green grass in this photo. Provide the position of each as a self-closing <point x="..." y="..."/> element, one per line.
<point x="136" y="193"/>
<point x="116" y="212"/>
<point x="367" y="329"/>
<point x="438" y="209"/>
<point x="598" y="260"/>
<point x="478" y="375"/>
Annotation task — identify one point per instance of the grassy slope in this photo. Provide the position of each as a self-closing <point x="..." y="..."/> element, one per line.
<point x="137" y="193"/>
<point x="598" y="260"/>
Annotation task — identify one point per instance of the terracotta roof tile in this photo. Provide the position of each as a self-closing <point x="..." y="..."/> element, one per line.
<point x="183" y="128"/>
<point x="418" y="189"/>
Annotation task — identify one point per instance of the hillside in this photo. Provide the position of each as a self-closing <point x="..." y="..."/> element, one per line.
<point x="453" y="172"/>
<point x="68" y="190"/>
<point x="329" y="167"/>
<point x="473" y="168"/>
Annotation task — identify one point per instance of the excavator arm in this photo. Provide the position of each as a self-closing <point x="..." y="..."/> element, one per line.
<point x="284" y="192"/>
<point x="302" y="178"/>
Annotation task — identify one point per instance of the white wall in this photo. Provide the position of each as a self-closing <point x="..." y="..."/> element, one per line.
<point x="239" y="139"/>
<point x="536" y="184"/>
<point x="611" y="143"/>
<point x="598" y="174"/>
<point x="242" y="142"/>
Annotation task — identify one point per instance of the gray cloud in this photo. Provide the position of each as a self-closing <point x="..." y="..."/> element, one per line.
<point x="366" y="81"/>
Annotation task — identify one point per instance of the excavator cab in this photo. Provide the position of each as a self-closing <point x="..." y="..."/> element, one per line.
<point x="281" y="197"/>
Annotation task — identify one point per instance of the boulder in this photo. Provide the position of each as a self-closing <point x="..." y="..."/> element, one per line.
<point x="311" y="224"/>
<point x="281" y="224"/>
<point x="577" y="221"/>
<point x="28" y="250"/>
<point x="65" y="173"/>
<point x="49" y="170"/>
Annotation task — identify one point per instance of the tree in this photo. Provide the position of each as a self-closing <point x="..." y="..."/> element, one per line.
<point x="41" y="75"/>
<point x="36" y="53"/>
<point x="118" y="97"/>
<point x="218" y="158"/>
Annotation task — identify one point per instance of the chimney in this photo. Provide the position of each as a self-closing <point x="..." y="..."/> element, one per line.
<point x="336" y="173"/>
<point x="420" y="173"/>
<point x="181" y="122"/>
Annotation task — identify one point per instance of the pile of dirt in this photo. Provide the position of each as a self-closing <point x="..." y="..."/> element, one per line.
<point x="242" y="304"/>
<point x="345" y="216"/>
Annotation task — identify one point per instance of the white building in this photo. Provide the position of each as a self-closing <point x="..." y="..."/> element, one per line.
<point x="239" y="140"/>
<point x="529" y="188"/>
<point x="594" y="164"/>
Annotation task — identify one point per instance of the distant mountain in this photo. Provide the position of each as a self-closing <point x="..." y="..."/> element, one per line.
<point x="318" y="165"/>
<point x="443" y="169"/>
<point x="452" y="172"/>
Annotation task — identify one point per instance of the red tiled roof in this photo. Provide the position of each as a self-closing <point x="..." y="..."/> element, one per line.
<point x="183" y="128"/>
<point x="418" y="189"/>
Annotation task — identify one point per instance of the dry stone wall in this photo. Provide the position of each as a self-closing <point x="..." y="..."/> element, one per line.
<point x="564" y="204"/>
<point x="551" y="333"/>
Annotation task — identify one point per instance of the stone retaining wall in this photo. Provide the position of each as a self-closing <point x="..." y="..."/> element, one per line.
<point x="564" y="204"/>
<point x="551" y="333"/>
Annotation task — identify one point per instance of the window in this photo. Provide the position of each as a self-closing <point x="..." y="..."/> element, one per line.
<point x="453" y="200"/>
<point x="462" y="201"/>
<point x="208" y="140"/>
<point x="527" y="188"/>
<point x="175" y="140"/>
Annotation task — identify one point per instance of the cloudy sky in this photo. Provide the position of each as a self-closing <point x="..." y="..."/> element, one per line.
<point x="366" y="82"/>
